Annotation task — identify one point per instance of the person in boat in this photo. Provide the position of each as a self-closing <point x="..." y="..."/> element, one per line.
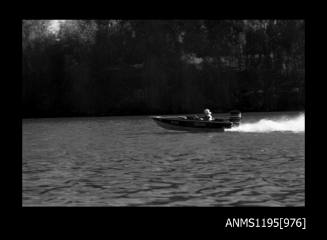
<point x="207" y="115"/>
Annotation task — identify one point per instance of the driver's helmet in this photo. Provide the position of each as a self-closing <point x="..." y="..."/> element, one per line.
<point x="207" y="111"/>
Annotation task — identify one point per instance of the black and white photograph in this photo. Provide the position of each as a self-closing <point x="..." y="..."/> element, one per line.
<point x="163" y="112"/>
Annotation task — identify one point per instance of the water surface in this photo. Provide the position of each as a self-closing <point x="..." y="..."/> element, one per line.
<point x="130" y="161"/>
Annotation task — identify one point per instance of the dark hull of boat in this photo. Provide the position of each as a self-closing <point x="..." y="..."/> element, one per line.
<point x="179" y="124"/>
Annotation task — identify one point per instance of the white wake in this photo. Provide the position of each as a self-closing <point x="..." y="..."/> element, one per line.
<point x="293" y="124"/>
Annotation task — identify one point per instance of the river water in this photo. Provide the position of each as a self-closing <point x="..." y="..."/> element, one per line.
<point x="130" y="161"/>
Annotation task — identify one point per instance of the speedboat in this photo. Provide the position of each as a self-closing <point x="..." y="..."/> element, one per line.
<point x="196" y="123"/>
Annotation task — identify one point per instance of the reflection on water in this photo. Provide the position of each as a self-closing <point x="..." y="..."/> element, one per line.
<point x="130" y="161"/>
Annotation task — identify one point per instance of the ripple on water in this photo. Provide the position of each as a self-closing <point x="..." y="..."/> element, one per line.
<point x="131" y="162"/>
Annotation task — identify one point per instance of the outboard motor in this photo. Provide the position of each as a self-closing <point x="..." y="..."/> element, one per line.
<point x="235" y="117"/>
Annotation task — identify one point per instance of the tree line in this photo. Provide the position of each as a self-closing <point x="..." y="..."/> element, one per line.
<point x="119" y="67"/>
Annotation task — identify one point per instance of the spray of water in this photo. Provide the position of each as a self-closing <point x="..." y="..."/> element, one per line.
<point x="294" y="124"/>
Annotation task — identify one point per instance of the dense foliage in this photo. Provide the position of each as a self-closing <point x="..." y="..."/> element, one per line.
<point x="112" y="67"/>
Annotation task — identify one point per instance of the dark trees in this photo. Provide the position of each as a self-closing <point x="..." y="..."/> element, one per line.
<point x="106" y="67"/>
